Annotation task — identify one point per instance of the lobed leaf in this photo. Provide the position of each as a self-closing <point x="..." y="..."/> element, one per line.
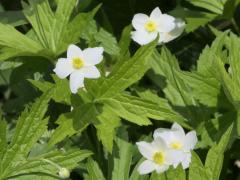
<point x="124" y="73"/>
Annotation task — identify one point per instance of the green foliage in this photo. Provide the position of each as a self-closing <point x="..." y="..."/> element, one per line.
<point x="193" y="80"/>
<point x="197" y="169"/>
<point x="94" y="172"/>
<point x="52" y="31"/>
<point x="174" y="174"/>
<point x="215" y="156"/>
<point x="15" y="159"/>
<point x="17" y="43"/>
<point x="131" y="108"/>
<point x="15" y="18"/>
<point x="124" y="73"/>
<point x="122" y="157"/>
<point x="61" y="91"/>
<point x="196" y="18"/>
<point x="76" y="121"/>
<point x="138" y="110"/>
<point x="165" y="67"/>
<point x="106" y="126"/>
<point x="214" y="6"/>
<point x="214" y="160"/>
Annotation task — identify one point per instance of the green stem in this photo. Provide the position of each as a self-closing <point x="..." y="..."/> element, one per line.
<point x="165" y="174"/>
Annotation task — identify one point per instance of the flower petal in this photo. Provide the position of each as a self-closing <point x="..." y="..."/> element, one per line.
<point x="76" y="81"/>
<point x="146" y="149"/>
<point x="139" y="20"/>
<point x="158" y="133"/>
<point x="190" y="140"/>
<point x="161" y="169"/>
<point x="143" y="38"/>
<point x="63" y="68"/>
<point x="174" y="157"/>
<point x="159" y="144"/>
<point x="156" y="13"/>
<point x="167" y="135"/>
<point x="90" y="72"/>
<point x="165" y="37"/>
<point x="146" y="167"/>
<point x="187" y="160"/>
<point x="93" y="56"/>
<point x="177" y="31"/>
<point x="178" y="128"/>
<point x="165" y="23"/>
<point x="73" y="51"/>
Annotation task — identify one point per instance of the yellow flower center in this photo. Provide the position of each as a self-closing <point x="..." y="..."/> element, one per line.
<point x="150" y="26"/>
<point x="77" y="63"/>
<point x="176" y="145"/>
<point x="159" y="158"/>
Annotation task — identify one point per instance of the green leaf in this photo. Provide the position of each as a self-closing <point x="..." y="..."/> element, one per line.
<point x="135" y="174"/>
<point x="35" y="176"/>
<point x="126" y="110"/>
<point x="106" y="127"/>
<point x="176" y="174"/>
<point x="14" y="18"/>
<point x="205" y="62"/>
<point x="233" y="44"/>
<point x="230" y="87"/>
<point x="214" y="128"/>
<point x="48" y="26"/>
<point x="138" y="110"/>
<point x="230" y="8"/>
<point x="124" y="42"/>
<point x="194" y="19"/>
<point x="61" y="93"/>
<point x="29" y="122"/>
<point x="29" y="129"/>
<point x="215" y="156"/>
<point x="229" y="78"/>
<point x="77" y="28"/>
<point x="124" y="73"/>
<point x="205" y="90"/>
<point x="18" y="44"/>
<point x="123" y="153"/>
<point x="65" y="128"/>
<point x="74" y="122"/>
<point x="173" y="174"/>
<point x="62" y="16"/>
<point x="166" y="68"/>
<point x="3" y="136"/>
<point x="214" y="6"/>
<point x="41" y="17"/>
<point x="94" y="172"/>
<point x="40" y="164"/>
<point x="196" y="169"/>
<point x="107" y="41"/>
<point x="53" y="30"/>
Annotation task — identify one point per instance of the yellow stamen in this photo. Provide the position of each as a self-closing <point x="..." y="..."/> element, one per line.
<point x="159" y="158"/>
<point x="176" y="145"/>
<point x="150" y="26"/>
<point x="77" y="63"/>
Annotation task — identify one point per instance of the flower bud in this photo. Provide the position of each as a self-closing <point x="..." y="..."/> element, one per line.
<point x="64" y="173"/>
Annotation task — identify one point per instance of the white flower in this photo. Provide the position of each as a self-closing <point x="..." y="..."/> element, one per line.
<point x="159" y="156"/>
<point x="176" y="139"/>
<point x="79" y="64"/>
<point x="148" y="27"/>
